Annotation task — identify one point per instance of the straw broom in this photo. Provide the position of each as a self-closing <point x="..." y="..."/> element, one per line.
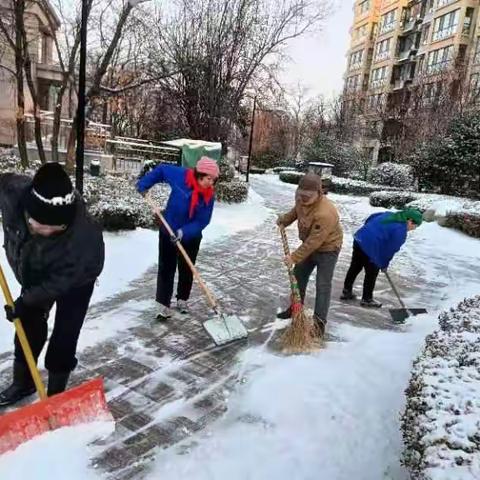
<point x="301" y="336"/>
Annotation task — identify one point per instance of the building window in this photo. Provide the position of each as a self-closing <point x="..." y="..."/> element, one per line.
<point x="445" y="26"/>
<point x="360" y="32"/>
<point x="376" y="102"/>
<point x="356" y="60"/>
<point x="431" y="93"/>
<point x="444" y="3"/>
<point x="439" y="60"/>
<point x="379" y="77"/>
<point x="353" y="83"/>
<point x="476" y="55"/>
<point x="467" y="22"/>
<point x="364" y="7"/>
<point x="382" y="50"/>
<point x="387" y="22"/>
<point x="475" y="87"/>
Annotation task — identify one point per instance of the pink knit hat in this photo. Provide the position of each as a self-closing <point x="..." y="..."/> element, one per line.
<point x="208" y="166"/>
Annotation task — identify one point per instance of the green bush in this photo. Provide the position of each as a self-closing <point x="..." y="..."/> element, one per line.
<point x="290" y="177"/>
<point x="468" y="223"/>
<point x="391" y="199"/>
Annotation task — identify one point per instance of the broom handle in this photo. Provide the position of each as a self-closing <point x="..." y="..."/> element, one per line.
<point x="196" y="274"/>
<point x="27" y="351"/>
<point x="395" y="291"/>
<point x="293" y="280"/>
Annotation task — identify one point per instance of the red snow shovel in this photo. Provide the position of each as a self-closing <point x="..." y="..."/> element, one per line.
<point x="81" y="404"/>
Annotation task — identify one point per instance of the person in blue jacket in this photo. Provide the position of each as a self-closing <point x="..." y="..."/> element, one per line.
<point x="374" y="246"/>
<point x="188" y="211"/>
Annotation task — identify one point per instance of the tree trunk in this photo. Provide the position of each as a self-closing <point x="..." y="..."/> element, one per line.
<point x="27" y="63"/>
<point x="19" y="63"/>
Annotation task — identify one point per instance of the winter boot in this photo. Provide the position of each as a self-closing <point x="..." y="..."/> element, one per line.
<point x="370" y="303"/>
<point x="285" y="314"/>
<point x="347" y="295"/>
<point x="164" y="313"/>
<point x="183" y="307"/>
<point x="21" y="387"/>
<point x="57" y="382"/>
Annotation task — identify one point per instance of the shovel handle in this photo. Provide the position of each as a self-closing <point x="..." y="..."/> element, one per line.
<point x="211" y="299"/>
<point x="395" y="291"/>
<point x="22" y="337"/>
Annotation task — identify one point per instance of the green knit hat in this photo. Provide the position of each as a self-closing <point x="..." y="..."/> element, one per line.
<point x="404" y="215"/>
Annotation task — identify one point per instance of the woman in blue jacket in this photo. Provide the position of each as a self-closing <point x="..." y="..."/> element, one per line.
<point x="188" y="211"/>
<point x="374" y="246"/>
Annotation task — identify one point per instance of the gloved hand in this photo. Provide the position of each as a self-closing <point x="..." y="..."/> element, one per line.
<point x="17" y="311"/>
<point x="178" y="237"/>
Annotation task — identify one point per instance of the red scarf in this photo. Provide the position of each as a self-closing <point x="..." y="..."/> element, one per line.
<point x="206" y="193"/>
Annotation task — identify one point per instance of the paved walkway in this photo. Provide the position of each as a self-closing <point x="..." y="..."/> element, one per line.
<point x="167" y="381"/>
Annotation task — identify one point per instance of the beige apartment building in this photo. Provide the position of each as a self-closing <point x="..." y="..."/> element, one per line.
<point x="46" y="72"/>
<point x="397" y="45"/>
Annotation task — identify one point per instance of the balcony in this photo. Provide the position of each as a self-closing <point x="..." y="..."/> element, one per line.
<point x="405" y="55"/>
<point x="49" y="72"/>
<point x="409" y="25"/>
<point x="401" y="83"/>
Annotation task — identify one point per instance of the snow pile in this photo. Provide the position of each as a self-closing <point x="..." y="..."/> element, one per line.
<point x="63" y="453"/>
<point x="392" y="174"/>
<point x="441" y="424"/>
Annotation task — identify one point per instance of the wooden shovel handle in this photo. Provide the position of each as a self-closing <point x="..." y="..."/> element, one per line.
<point x="22" y="337"/>
<point x="196" y="274"/>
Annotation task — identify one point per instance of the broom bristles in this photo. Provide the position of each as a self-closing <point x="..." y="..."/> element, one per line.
<point x="301" y="336"/>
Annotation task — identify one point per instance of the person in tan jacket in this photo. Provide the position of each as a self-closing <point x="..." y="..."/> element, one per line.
<point x="322" y="236"/>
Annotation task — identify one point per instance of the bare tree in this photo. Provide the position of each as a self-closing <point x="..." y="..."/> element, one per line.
<point x="218" y="47"/>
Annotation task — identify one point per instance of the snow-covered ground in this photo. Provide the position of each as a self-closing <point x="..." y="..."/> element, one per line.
<point x="333" y="415"/>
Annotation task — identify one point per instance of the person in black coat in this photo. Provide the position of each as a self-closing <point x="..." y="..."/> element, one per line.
<point x="56" y="252"/>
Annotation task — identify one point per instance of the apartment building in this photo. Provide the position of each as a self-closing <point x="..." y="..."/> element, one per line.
<point x="413" y="45"/>
<point x="46" y="72"/>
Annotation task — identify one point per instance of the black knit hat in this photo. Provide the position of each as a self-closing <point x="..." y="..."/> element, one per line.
<point x="51" y="199"/>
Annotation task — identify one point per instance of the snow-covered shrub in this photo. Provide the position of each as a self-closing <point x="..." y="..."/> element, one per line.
<point x="441" y="423"/>
<point x="235" y="191"/>
<point x="391" y="199"/>
<point x="227" y="170"/>
<point x="114" y="202"/>
<point x="257" y="171"/>
<point x="290" y="177"/>
<point x="354" y="187"/>
<point x="10" y="163"/>
<point x="283" y="169"/>
<point x="392" y="174"/>
<point x="466" y="222"/>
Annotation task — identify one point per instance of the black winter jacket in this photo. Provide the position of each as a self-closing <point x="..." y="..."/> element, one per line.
<point x="48" y="267"/>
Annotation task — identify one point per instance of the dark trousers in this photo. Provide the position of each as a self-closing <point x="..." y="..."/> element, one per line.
<point x="325" y="263"/>
<point x="168" y="259"/>
<point x="360" y="262"/>
<point x="71" y="311"/>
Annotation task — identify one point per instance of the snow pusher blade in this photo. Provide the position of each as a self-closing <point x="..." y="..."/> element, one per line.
<point x="399" y="315"/>
<point x="225" y="329"/>
<point x="82" y="404"/>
